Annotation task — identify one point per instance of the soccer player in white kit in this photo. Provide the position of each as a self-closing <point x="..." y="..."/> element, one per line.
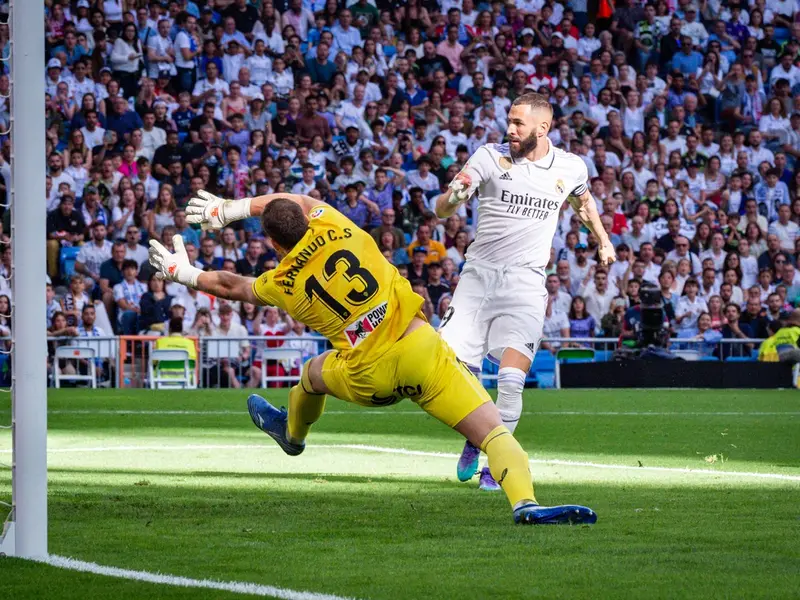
<point x="498" y="308"/>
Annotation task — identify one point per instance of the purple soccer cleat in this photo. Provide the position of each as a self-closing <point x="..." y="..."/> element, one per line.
<point x="468" y="462"/>
<point x="488" y="484"/>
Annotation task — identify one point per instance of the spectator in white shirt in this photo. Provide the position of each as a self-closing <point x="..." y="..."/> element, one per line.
<point x="453" y="135"/>
<point x="682" y="250"/>
<point x="259" y="63"/>
<point x="716" y="252"/>
<point x="212" y="87"/>
<point x="228" y="327"/>
<point x="92" y="132"/>
<point x="638" y="234"/>
<point x="690" y="306"/>
<point x="599" y="112"/>
<point x="152" y="137"/>
<point x="708" y="284"/>
<point x="598" y="294"/>
<point x="785" y="70"/>
<point x="92" y="255"/>
<point x="785" y="229"/>
<point x="651" y="269"/>
<point x="641" y="174"/>
<point x="161" y="52"/>
<point x="126" y="59"/>
<point x="556" y="325"/>
<point x="557" y="296"/>
<point x="757" y="153"/>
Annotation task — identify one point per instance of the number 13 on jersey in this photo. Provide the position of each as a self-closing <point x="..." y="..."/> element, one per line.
<point x="351" y="285"/>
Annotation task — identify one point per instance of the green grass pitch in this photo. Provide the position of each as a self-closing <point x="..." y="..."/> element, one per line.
<point x="193" y="489"/>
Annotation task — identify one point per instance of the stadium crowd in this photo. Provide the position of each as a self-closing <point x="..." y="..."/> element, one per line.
<point x="687" y="116"/>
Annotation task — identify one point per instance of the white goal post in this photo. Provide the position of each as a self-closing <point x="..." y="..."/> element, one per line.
<point x="25" y="534"/>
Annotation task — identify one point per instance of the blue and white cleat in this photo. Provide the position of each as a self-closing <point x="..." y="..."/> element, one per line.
<point x="488" y="484"/>
<point x="273" y="422"/>
<point x="569" y="514"/>
<point x="468" y="462"/>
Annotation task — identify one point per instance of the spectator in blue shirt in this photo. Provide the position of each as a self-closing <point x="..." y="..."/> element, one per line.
<point x="121" y="119"/>
<point x="581" y="323"/>
<point x="357" y="207"/>
<point x="321" y="68"/>
<point x="70" y="49"/>
<point x="688" y="60"/>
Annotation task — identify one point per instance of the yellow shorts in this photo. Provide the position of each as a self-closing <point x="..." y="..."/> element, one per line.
<point x="421" y="367"/>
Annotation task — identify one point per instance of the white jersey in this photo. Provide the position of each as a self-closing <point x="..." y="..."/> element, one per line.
<point x="519" y="202"/>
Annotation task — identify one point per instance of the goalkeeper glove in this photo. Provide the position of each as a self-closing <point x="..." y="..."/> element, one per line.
<point x="211" y="212"/>
<point x="173" y="266"/>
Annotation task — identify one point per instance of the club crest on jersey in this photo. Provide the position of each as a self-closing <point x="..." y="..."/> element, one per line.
<point x="560" y="186"/>
<point x="359" y="330"/>
<point x="505" y="162"/>
<point x="316" y="212"/>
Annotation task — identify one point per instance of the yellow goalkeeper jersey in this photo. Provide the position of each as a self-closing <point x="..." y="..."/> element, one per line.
<point x="338" y="283"/>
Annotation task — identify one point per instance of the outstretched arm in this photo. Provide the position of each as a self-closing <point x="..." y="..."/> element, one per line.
<point x="231" y="286"/>
<point x="586" y="209"/>
<point x="212" y="212"/>
<point x="176" y="267"/>
<point x="259" y="203"/>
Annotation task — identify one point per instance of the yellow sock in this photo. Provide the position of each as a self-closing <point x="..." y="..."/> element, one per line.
<point x="305" y="408"/>
<point x="508" y="464"/>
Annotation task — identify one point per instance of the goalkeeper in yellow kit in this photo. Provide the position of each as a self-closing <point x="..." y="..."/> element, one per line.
<point x="333" y="278"/>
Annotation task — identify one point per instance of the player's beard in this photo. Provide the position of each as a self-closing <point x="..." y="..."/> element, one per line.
<point x="526" y="146"/>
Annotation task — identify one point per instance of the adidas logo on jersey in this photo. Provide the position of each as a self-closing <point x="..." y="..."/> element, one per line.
<point x="505" y="177"/>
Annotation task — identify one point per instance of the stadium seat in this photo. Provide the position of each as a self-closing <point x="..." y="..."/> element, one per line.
<point x="278" y="354"/>
<point x="75" y="353"/>
<point x="66" y="261"/>
<point x="544" y="368"/>
<point x="687" y="354"/>
<point x="489" y="368"/>
<point x="170" y="369"/>
<point x="603" y="355"/>
<point x="218" y="349"/>
<point x="575" y="355"/>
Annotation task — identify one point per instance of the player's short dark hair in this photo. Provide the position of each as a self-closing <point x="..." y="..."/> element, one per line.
<point x="284" y="221"/>
<point x="533" y="100"/>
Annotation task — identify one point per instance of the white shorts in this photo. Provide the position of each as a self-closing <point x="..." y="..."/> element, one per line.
<point x="495" y="308"/>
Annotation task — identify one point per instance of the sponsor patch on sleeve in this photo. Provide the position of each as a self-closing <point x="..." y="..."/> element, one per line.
<point x="316" y="212"/>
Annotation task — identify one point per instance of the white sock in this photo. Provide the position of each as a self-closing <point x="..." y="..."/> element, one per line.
<point x="510" y="383"/>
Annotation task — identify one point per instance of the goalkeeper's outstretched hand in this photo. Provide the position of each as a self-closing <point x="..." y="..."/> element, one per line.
<point x="212" y="212"/>
<point x="173" y="266"/>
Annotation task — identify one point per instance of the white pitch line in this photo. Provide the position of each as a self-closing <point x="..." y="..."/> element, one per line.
<point x="236" y="587"/>
<point x="388" y="413"/>
<point x="424" y="453"/>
